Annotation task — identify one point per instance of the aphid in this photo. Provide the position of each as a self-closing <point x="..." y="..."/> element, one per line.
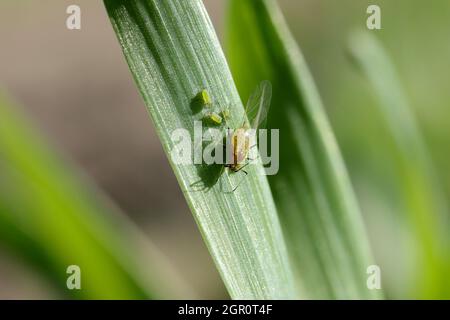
<point x="239" y="139"/>
<point x="213" y="118"/>
<point x="203" y="98"/>
<point x="225" y="113"/>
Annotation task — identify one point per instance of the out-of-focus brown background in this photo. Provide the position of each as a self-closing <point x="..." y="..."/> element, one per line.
<point x="77" y="87"/>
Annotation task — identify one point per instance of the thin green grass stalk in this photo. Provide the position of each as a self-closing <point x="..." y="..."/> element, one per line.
<point x="423" y="199"/>
<point x="51" y="220"/>
<point x="324" y="232"/>
<point x="173" y="53"/>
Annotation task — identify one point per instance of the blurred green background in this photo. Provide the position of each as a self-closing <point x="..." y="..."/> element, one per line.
<point x="76" y="87"/>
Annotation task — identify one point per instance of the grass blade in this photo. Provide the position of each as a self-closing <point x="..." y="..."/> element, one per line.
<point x="173" y="53"/>
<point x="423" y="200"/>
<point x="52" y="219"/>
<point x="322" y="222"/>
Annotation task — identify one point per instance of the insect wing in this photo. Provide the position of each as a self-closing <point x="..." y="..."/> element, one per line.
<point x="258" y="104"/>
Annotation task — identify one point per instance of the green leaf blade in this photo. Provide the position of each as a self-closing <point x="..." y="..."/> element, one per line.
<point x="321" y="219"/>
<point x="421" y="194"/>
<point x="173" y="53"/>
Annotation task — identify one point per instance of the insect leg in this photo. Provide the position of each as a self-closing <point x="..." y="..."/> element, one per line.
<point x="242" y="179"/>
